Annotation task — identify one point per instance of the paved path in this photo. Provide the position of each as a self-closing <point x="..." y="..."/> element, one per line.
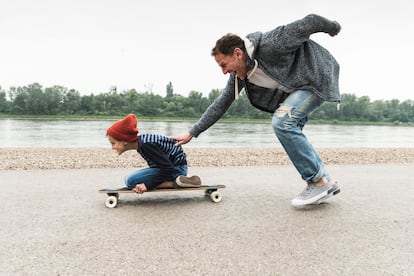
<point x="54" y="222"/>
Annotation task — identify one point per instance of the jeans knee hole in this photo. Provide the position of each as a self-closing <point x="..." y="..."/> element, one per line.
<point x="282" y="111"/>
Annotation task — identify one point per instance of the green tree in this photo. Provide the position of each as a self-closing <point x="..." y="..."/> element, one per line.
<point x="176" y="108"/>
<point x="36" y="103"/>
<point x="18" y="96"/>
<point x="361" y="108"/>
<point x="71" y="102"/>
<point x="376" y="111"/>
<point x="346" y="111"/>
<point x="88" y="105"/>
<point x="170" y="92"/>
<point x="131" y="101"/>
<point x="150" y="104"/>
<point x="393" y="111"/>
<point x="4" y="104"/>
<point x="195" y="103"/>
<point x="406" y="111"/>
<point x="114" y="103"/>
<point x="54" y="98"/>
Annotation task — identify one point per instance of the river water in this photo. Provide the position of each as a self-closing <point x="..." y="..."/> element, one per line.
<point x="71" y="134"/>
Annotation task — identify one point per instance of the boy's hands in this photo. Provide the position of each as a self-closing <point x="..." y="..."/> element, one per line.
<point x="140" y="188"/>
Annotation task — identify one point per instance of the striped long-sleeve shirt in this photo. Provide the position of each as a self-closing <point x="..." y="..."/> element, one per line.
<point x="160" y="152"/>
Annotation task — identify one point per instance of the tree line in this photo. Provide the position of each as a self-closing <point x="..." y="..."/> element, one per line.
<point x="34" y="99"/>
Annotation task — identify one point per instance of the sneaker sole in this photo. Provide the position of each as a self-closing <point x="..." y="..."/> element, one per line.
<point x="311" y="202"/>
<point x="323" y="199"/>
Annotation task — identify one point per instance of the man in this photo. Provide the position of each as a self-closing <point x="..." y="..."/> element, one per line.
<point x="286" y="73"/>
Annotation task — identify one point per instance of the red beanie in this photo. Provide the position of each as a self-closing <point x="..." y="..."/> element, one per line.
<point x="125" y="129"/>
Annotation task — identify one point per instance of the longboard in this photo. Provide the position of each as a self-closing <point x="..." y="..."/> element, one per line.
<point x="210" y="191"/>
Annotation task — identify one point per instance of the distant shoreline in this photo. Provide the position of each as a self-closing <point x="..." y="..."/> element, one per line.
<point x="85" y="158"/>
<point x="180" y="119"/>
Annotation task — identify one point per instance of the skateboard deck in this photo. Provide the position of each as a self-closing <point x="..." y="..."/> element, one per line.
<point x="209" y="190"/>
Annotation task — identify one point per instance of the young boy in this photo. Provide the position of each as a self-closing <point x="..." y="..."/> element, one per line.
<point x="167" y="162"/>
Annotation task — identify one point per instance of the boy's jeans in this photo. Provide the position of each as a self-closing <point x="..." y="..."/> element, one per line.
<point x="288" y="122"/>
<point x="145" y="175"/>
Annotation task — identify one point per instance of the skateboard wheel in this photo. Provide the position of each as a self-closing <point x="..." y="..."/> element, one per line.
<point x="111" y="201"/>
<point x="215" y="197"/>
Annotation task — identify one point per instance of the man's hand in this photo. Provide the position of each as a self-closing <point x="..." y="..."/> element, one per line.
<point x="182" y="139"/>
<point x="140" y="188"/>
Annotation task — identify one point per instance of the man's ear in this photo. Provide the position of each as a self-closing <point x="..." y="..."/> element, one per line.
<point x="238" y="52"/>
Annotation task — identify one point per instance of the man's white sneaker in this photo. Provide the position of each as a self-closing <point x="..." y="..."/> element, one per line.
<point x="311" y="194"/>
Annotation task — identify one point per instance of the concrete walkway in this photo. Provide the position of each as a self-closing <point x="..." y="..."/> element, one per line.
<point x="54" y="222"/>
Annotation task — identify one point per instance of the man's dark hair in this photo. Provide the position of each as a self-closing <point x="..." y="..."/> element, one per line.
<point x="226" y="45"/>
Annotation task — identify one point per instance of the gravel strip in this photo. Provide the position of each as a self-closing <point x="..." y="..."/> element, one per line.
<point x="84" y="158"/>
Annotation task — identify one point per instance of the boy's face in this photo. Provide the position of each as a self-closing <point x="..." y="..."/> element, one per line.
<point x="119" y="146"/>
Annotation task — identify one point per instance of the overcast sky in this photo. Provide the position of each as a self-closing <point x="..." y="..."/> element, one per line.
<point x="92" y="45"/>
